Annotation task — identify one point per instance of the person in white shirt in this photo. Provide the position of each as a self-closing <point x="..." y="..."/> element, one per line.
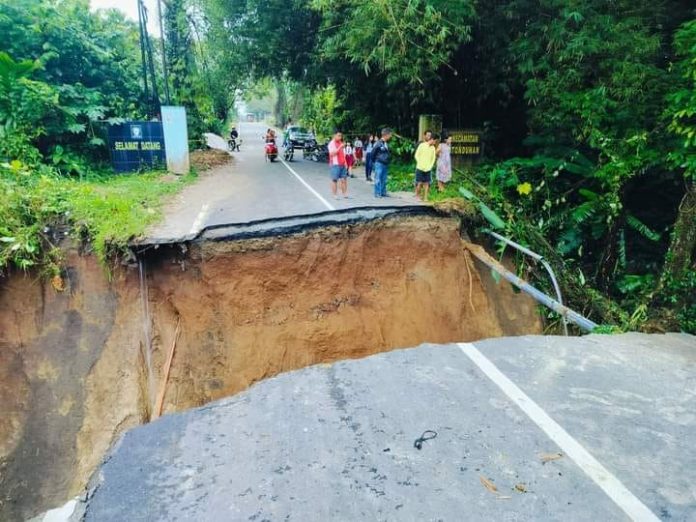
<point x="358" y="146"/>
<point x="350" y="159"/>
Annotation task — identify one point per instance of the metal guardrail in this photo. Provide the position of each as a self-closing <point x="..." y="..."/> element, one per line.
<point x="544" y="263"/>
<point x="557" y="306"/>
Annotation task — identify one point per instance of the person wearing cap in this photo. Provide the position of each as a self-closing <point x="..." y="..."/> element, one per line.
<point x="380" y="160"/>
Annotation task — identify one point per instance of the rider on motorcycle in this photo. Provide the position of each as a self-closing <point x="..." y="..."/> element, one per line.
<point x="286" y="133"/>
<point x="233" y="141"/>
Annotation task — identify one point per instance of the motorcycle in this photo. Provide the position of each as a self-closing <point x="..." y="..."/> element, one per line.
<point x="234" y="144"/>
<point x="288" y="153"/>
<point x="308" y="148"/>
<point x="271" y="151"/>
<point x="319" y="153"/>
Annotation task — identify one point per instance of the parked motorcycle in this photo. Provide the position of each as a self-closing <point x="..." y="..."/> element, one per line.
<point x="308" y="148"/>
<point x="319" y="153"/>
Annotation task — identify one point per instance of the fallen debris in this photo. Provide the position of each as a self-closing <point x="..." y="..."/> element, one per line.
<point x="488" y="484"/>
<point x="548" y="457"/>
<point x="203" y="160"/>
<point x="521" y="487"/>
<point x="427" y="435"/>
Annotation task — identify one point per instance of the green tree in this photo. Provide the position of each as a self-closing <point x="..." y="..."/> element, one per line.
<point x="677" y="287"/>
<point x="86" y="65"/>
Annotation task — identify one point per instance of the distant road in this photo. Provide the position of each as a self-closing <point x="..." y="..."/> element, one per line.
<point x="251" y="189"/>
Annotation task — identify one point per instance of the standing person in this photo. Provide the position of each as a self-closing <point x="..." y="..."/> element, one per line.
<point x="380" y="158"/>
<point x="337" y="162"/>
<point x="350" y="159"/>
<point x="426" y="138"/>
<point x="358" y="146"/>
<point x="444" y="163"/>
<point x="368" y="157"/>
<point x="425" y="161"/>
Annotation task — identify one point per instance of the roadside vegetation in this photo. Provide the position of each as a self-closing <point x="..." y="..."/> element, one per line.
<point x="588" y="113"/>
<point x="65" y="74"/>
<point x="39" y="211"/>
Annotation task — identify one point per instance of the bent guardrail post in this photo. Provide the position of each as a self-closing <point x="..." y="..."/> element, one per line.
<point x="544" y="263"/>
<point x="570" y="315"/>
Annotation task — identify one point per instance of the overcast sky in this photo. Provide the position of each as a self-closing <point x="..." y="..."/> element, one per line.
<point x="130" y="8"/>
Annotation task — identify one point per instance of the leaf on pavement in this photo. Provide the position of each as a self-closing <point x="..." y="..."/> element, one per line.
<point x="548" y="457"/>
<point x="521" y="487"/>
<point x="488" y="485"/>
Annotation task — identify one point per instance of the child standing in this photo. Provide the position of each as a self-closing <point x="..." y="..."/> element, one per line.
<point x="358" y="144"/>
<point x="350" y="159"/>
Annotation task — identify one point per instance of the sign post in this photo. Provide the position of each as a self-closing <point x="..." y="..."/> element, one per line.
<point x="176" y="139"/>
<point x="467" y="146"/>
<point x="431" y="122"/>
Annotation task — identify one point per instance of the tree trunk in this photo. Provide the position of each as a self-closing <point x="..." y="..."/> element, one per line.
<point x="681" y="256"/>
<point x="606" y="267"/>
<point x="673" y="293"/>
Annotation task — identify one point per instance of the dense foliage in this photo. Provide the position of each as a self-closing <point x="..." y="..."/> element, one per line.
<point x="61" y="70"/>
<point x="65" y="74"/>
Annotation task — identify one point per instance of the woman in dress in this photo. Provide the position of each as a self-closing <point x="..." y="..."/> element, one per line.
<point x="444" y="163"/>
<point x="368" y="157"/>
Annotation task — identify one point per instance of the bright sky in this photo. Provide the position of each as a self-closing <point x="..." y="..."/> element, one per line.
<point x="130" y="8"/>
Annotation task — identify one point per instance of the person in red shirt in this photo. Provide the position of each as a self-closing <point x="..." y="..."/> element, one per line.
<point x="338" y="166"/>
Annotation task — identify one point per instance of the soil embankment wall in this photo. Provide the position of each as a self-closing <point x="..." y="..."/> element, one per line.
<point x="72" y="364"/>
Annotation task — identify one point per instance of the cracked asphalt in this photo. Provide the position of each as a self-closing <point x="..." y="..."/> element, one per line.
<point x="336" y="442"/>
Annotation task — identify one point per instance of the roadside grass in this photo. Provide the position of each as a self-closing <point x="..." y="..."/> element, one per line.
<point x="402" y="177"/>
<point x="39" y="208"/>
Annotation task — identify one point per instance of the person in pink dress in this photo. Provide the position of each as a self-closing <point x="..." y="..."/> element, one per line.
<point x="444" y="163"/>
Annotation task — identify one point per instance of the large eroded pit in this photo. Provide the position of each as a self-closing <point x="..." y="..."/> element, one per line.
<point x="73" y="372"/>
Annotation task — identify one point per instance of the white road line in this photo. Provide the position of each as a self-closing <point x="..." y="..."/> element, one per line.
<point x="292" y="171"/>
<point x="200" y="219"/>
<point x="611" y="485"/>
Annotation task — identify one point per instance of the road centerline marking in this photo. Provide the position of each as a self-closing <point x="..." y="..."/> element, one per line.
<point x="307" y="185"/>
<point x="198" y="223"/>
<point x="609" y="483"/>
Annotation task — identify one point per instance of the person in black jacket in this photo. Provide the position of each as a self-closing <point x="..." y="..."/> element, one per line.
<point x="380" y="161"/>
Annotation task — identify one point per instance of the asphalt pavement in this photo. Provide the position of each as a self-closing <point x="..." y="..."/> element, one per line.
<point x="525" y="429"/>
<point x="250" y="189"/>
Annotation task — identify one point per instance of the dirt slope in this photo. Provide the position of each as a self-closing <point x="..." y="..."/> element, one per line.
<point x="72" y="371"/>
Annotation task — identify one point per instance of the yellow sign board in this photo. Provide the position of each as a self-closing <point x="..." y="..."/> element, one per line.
<point x="466" y="142"/>
<point x="137" y="145"/>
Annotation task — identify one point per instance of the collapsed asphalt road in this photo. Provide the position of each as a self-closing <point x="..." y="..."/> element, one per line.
<point x="529" y="428"/>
